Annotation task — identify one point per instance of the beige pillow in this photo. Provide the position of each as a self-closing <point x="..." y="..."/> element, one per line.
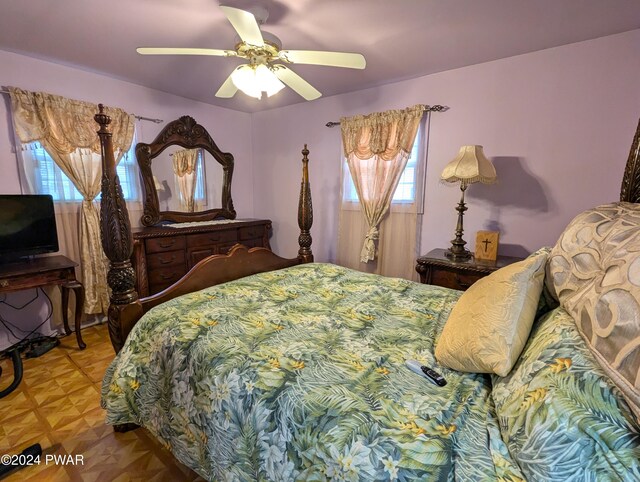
<point x="489" y="326"/>
<point x="594" y="269"/>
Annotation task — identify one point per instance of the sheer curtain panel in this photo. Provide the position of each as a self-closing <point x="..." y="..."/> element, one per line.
<point x="377" y="147"/>
<point x="184" y="167"/>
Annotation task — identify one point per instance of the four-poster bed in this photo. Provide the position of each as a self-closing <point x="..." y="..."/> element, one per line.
<point x="297" y="372"/>
<point x="126" y="308"/>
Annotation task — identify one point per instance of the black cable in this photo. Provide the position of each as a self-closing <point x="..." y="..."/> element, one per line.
<point x="25" y="338"/>
<point x="14" y="326"/>
<point x="4" y="323"/>
<point x="4" y="302"/>
<point x="17" y="373"/>
<point x="47" y="318"/>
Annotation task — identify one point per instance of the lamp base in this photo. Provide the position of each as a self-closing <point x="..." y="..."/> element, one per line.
<point x="458" y="254"/>
<point x="457" y="251"/>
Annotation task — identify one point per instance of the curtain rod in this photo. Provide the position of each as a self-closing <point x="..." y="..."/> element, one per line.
<point x="139" y="117"/>
<point x="427" y="108"/>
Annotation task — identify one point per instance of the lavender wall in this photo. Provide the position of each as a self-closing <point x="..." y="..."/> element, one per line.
<point x="230" y="129"/>
<point x="557" y="123"/>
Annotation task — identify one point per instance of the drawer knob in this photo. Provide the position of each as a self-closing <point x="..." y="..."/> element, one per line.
<point x="167" y="276"/>
<point x="167" y="261"/>
<point x="168" y="244"/>
<point x="462" y="284"/>
<point x="214" y="239"/>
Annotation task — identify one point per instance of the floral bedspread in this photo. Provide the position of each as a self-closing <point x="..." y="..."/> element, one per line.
<point x="299" y="374"/>
<point x="562" y="418"/>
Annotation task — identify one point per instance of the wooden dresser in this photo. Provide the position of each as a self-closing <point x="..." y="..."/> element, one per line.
<point x="162" y="255"/>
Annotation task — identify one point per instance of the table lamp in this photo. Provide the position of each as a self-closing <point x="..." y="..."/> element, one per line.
<point x="469" y="166"/>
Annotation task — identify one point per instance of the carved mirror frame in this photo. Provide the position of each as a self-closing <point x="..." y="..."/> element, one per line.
<point x="187" y="133"/>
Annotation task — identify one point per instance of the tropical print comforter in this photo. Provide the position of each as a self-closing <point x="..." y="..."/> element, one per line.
<point x="299" y="374"/>
<point x="560" y="415"/>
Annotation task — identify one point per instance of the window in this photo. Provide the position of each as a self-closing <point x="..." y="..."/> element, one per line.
<point x="201" y="193"/>
<point x="48" y="178"/>
<point x="407" y="186"/>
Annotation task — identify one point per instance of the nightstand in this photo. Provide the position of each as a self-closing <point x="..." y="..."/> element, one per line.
<point x="436" y="269"/>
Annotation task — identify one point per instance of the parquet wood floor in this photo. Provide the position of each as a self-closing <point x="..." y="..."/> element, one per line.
<point x="58" y="405"/>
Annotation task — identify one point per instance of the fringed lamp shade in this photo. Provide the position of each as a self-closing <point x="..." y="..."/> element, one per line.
<point x="469" y="166"/>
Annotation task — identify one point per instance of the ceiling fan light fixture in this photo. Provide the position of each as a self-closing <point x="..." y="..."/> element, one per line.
<point x="262" y="74"/>
<point x="268" y="81"/>
<point x="244" y="79"/>
<point x="253" y="80"/>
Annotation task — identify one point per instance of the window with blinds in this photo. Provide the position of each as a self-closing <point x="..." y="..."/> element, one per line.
<point x="49" y="178"/>
<point x="407" y="186"/>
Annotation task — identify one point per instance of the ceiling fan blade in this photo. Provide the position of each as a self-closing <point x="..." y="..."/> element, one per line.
<point x="297" y="83"/>
<point x="316" y="57"/>
<point x="184" y="51"/>
<point x="245" y="24"/>
<point x="228" y="89"/>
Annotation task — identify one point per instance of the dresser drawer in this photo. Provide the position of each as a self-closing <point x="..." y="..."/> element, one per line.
<point x="452" y="279"/>
<point x="165" y="259"/>
<point x="215" y="237"/>
<point x="166" y="275"/>
<point x="251" y="232"/>
<point x="252" y="243"/>
<point x="195" y="255"/>
<point x="224" y="248"/>
<point x="158" y="287"/>
<point x="169" y="243"/>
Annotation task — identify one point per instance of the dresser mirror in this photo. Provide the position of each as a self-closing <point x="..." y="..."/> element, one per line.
<point x="185" y="177"/>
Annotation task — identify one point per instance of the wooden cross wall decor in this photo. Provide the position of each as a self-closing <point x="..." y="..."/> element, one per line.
<point x="487" y="245"/>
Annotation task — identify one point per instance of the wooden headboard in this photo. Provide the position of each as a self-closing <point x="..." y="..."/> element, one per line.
<point x="630" y="191"/>
<point x="125" y="307"/>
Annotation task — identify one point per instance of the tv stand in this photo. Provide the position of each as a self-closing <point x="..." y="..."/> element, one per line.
<point x="42" y="271"/>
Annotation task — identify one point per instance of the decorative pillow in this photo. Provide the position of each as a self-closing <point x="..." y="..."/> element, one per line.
<point x="489" y="325"/>
<point x="594" y="270"/>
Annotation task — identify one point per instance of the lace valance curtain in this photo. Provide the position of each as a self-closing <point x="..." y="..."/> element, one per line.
<point x="67" y="131"/>
<point x="377" y="147"/>
<point x="65" y="124"/>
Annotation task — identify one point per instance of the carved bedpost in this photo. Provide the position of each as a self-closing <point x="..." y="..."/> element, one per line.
<point x="630" y="191"/>
<point x="115" y="231"/>
<point x="305" y="212"/>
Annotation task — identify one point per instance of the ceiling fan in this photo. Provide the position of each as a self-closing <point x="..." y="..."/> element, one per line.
<point x="266" y="70"/>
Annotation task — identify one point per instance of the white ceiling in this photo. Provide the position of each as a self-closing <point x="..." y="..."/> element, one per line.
<point x="400" y="39"/>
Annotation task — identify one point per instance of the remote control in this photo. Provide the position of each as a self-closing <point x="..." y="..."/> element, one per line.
<point x="431" y="375"/>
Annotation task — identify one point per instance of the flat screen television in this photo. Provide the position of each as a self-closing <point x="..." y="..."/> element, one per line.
<point x="27" y="226"/>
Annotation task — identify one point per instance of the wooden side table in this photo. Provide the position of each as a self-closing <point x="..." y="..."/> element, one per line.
<point x="47" y="270"/>
<point x="436" y="269"/>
